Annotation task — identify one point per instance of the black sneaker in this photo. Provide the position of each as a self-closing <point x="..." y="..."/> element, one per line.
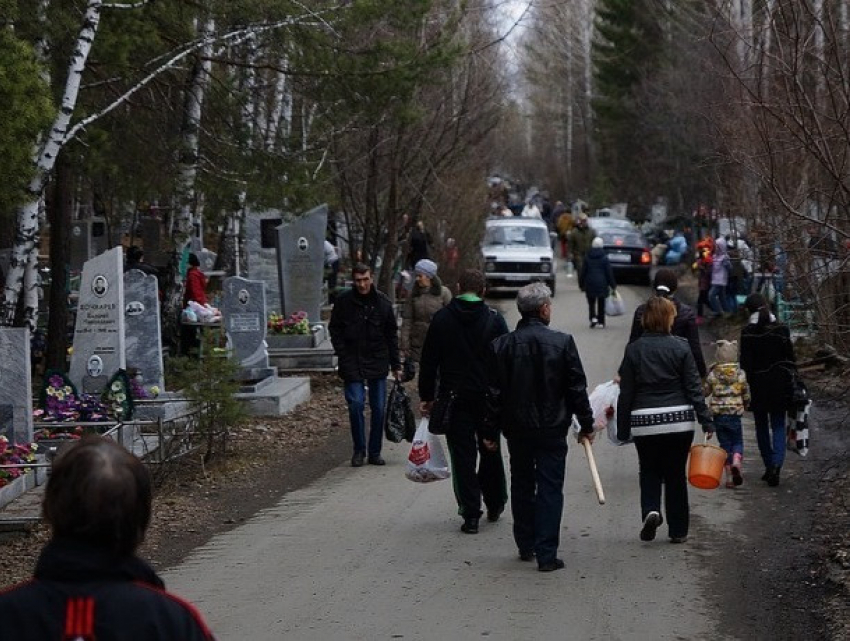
<point x="470" y="526"/>
<point x="358" y="459"/>
<point x="526" y="555"/>
<point x="651" y="523"/>
<point x="376" y="460"/>
<point x="493" y="515"/>
<point x="557" y="564"/>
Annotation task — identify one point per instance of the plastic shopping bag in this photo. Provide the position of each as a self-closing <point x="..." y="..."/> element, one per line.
<point x="603" y="403"/>
<point x="614" y="305"/>
<point x="399" y="421"/>
<point x="426" y="461"/>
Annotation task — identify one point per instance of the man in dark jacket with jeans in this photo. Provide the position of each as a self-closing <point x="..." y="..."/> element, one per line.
<point x="364" y="335"/>
<point x="456" y="348"/>
<point x="537" y="385"/>
<point x="89" y="584"/>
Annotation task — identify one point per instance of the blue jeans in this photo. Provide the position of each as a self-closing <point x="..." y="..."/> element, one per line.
<point x="717" y="299"/>
<point x="355" y="396"/>
<point x="538" y="467"/>
<point x="770" y="435"/>
<point x="729" y="434"/>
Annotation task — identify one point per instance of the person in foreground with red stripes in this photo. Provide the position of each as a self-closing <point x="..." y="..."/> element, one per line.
<point x="89" y="584"/>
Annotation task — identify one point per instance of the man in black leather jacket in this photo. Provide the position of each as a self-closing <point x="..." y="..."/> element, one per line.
<point x="537" y="385"/>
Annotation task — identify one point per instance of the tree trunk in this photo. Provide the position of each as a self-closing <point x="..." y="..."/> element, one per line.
<point x="187" y="174"/>
<point x="59" y="215"/>
<point x="26" y="238"/>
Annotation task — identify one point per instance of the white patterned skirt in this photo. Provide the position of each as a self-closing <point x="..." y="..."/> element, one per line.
<point x="663" y="420"/>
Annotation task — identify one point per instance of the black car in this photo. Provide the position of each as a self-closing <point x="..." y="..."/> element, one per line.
<point x="627" y="248"/>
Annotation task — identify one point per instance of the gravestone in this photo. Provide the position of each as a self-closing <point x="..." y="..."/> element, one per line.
<point x="143" y="341"/>
<point x="15" y="385"/>
<point x="99" y="330"/>
<point x="243" y="310"/>
<point x="261" y="253"/>
<point x="301" y="263"/>
<point x="151" y="234"/>
<point x="88" y="239"/>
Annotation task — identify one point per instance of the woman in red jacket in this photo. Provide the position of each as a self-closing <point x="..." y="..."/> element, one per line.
<point x="196" y="283"/>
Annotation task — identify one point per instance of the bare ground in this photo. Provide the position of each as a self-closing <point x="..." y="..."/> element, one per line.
<point x="789" y="579"/>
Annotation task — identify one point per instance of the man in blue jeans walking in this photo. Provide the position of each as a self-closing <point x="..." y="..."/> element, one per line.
<point x="364" y="335"/>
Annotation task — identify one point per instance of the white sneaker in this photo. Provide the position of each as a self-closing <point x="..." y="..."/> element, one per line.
<point x="650" y="524"/>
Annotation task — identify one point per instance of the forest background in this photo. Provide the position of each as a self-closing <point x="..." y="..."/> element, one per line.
<point x="395" y="111"/>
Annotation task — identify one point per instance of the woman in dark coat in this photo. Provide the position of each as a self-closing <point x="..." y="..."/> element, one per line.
<point x="660" y="402"/>
<point x="595" y="279"/>
<point x="767" y="357"/>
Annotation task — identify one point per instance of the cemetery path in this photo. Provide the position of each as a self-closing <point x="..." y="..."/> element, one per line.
<point x="337" y="553"/>
<point x="364" y="554"/>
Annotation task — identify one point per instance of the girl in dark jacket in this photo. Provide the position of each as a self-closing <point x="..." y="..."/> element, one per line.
<point x="595" y="279"/>
<point x="767" y="357"/>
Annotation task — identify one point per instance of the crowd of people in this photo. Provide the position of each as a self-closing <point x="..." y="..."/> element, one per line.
<point x="528" y="384"/>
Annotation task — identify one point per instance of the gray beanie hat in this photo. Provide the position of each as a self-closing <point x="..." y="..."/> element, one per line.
<point x="426" y="268"/>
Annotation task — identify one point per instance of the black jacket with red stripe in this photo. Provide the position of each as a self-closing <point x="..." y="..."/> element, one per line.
<point x="83" y="593"/>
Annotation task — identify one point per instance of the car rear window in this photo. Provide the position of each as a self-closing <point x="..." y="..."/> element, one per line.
<point x="516" y="235"/>
<point x="630" y="239"/>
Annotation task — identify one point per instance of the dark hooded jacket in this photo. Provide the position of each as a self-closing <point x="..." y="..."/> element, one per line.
<point x="596" y="275"/>
<point x="767" y="357"/>
<point x="364" y="335"/>
<point x="684" y="326"/>
<point x="537" y="382"/>
<point x="456" y="348"/>
<point x="80" y="591"/>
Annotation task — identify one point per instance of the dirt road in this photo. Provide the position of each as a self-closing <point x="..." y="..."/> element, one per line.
<point x="365" y="554"/>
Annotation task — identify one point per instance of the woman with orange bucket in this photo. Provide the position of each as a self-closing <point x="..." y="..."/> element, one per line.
<point x="660" y="402"/>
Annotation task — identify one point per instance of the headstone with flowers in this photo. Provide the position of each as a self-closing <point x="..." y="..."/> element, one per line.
<point x="99" y="347"/>
<point x="301" y="263"/>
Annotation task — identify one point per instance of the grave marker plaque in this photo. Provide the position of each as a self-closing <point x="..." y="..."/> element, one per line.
<point x="243" y="310"/>
<point x="301" y="263"/>
<point x="99" y="348"/>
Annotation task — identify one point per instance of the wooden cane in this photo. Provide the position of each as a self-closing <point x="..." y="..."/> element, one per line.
<point x="597" y="484"/>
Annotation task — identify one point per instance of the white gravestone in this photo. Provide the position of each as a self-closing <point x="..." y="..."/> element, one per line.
<point x="99" y="331"/>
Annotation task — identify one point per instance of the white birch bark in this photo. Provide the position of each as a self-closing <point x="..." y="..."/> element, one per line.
<point x="279" y="123"/>
<point x="26" y="238"/>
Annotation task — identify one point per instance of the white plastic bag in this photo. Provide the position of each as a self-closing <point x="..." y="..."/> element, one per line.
<point x="603" y="403"/>
<point x="426" y="461"/>
<point x="614" y="305"/>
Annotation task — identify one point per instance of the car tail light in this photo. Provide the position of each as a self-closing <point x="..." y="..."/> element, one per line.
<point x="645" y="258"/>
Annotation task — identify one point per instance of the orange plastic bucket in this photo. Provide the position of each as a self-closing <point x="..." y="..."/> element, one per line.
<point x="705" y="467"/>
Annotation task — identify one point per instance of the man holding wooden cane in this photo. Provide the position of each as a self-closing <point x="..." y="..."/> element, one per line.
<point x="537" y="384"/>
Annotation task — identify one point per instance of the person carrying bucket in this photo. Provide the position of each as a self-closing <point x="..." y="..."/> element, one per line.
<point x="728" y="395"/>
<point x="660" y="402"/>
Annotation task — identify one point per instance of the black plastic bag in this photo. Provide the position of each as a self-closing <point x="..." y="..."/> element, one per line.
<point x="399" y="421"/>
